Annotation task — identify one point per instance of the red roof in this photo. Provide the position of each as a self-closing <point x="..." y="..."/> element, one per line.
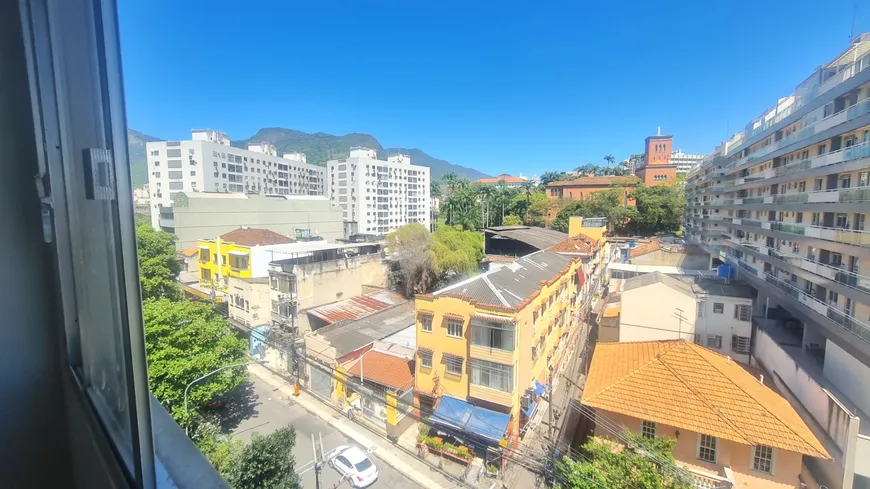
<point x="255" y="237"/>
<point x="597" y="181"/>
<point x="193" y="250"/>
<point x="579" y="244"/>
<point x="506" y="178"/>
<point x="356" y="307"/>
<point x="385" y="369"/>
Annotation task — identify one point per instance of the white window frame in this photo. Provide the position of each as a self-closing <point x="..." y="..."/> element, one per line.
<point x="424" y="321"/>
<point x="714" y="448"/>
<point x="721" y="306"/>
<point x="738" y="315"/>
<point x="454" y="322"/>
<point x="453" y="360"/>
<point x="716" y="338"/>
<point x="752" y="455"/>
<point x="648" y="429"/>
<point x="423" y="356"/>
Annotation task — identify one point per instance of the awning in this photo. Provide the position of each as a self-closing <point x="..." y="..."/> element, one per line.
<point x="237" y="253"/>
<point x="539" y="389"/>
<point x="202" y="247"/>
<point x="530" y="410"/>
<point x="466" y="419"/>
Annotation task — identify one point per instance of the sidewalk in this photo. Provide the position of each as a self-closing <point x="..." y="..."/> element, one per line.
<point x="414" y="469"/>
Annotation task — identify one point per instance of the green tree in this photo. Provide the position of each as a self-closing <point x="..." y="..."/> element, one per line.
<point x="411" y="262"/>
<point x="554" y="176"/>
<point x="266" y="462"/>
<point x="643" y="464"/>
<point x="218" y="448"/>
<point x="512" y="220"/>
<point x="435" y="188"/>
<point x="609" y="159"/>
<point x="456" y="252"/>
<point x="660" y="209"/>
<point x="538" y="211"/>
<point x="158" y="263"/>
<point x="185" y="340"/>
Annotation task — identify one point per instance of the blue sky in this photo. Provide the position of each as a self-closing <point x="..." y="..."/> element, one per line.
<point x="498" y="86"/>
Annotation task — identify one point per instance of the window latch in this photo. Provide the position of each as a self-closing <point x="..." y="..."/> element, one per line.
<point x="99" y="174"/>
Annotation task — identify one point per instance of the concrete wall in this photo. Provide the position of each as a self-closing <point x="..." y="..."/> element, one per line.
<point x="787" y="465"/>
<point x="325" y="282"/>
<point x="204" y="217"/>
<point x="649" y="314"/>
<point x="849" y="375"/>
<point x="673" y="259"/>
<point x="257" y="309"/>
<point x="724" y="324"/>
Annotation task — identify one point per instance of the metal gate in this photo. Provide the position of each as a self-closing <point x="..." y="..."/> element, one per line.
<point x="321" y="382"/>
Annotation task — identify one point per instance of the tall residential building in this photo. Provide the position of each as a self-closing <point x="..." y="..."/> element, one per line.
<point x="207" y="163"/>
<point x="685" y="162"/>
<point x="786" y="203"/>
<point x="378" y="196"/>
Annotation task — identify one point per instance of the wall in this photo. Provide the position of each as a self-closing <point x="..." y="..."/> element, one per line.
<point x="256" y="293"/>
<point x="325" y="282"/>
<point x="648" y="314"/>
<point x="206" y="218"/>
<point x="787" y="465"/>
<point x="648" y="175"/>
<point x="673" y="259"/>
<point x="849" y="375"/>
<point x="724" y="324"/>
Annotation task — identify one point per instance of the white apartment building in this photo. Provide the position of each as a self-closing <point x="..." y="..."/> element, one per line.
<point x="786" y="204"/>
<point x="684" y="161"/>
<point x="207" y="163"/>
<point x="378" y="196"/>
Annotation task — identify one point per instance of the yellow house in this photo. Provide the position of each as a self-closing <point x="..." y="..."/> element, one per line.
<point x="241" y="253"/>
<point x="488" y="340"/>
<point x="731" y="430"/>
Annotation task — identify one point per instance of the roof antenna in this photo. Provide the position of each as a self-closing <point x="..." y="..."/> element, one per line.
<point x="854" y="13"/>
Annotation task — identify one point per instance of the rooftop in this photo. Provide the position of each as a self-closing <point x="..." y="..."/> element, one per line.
<point x="507" y="178"/>
<point x="720" y="288"/>
<point x="576" y="245"/>
<point x="648" y="279"/>
<point x="349" y="336"/>
<point x="356" y="307"/>
<point x="684" y="385"/>
<point x="541" y="238"/>
<point x="512" y="284"/>
<point x="603" y="181"/>
<point x="246" y="236"/>
<point x="385" y="369"/>
<point x="193" y="250"/>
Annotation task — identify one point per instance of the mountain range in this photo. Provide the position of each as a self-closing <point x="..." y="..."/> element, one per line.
<point x="318" y="148"/>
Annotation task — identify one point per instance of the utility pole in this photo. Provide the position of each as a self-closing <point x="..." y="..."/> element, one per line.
<point x="318" y="462"/>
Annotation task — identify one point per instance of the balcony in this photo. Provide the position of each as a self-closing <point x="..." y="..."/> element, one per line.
<point x="812" y="305"/>
<point x="837" y="195"/>
<point x="705" y="480"/>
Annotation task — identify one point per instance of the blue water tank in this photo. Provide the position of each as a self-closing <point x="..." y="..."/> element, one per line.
<point x="726" y="271"/>
<point x="632" y="244"/>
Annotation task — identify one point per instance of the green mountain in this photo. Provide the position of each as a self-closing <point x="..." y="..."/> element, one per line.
<point x="320" y="147"/>
<point x="136" y="145"/>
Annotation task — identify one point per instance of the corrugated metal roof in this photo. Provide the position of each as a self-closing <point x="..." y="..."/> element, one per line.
<point x="540" y="238"/>
<point x="356" y="307"/>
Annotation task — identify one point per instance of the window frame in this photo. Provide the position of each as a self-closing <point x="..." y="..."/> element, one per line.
<point x="455" y="361"/>
<point x="648" y="429"/>
<point x="739" y="310"/>
<point x="713" y="448"/>
<point x="717" y="339"/>
<point x="753" y="458"/>
<point x="423" y="355"/>
<point x="454" y="322"/>
<point x="424" y="320"/>
<point x="721" y="307"/>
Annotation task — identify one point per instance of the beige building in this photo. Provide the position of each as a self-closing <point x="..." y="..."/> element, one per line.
<point x="711" y="313"/>
<point x="248" y="301"/>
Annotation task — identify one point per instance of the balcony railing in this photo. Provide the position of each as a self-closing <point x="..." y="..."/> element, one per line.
<point x="703" y="480"/>
<point x="836" y="195"/>
<point x="846" y="321"/>
<point x="832" y="272"/>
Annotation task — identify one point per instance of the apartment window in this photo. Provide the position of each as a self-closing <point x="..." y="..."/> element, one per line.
<point x="833" y="297"/>
<point x="648" y="429"/>
<point x="493" y="335"/>
<point x="492" y="375"/>
<point x="238" y="262"/>
<point x="841" y="221"/>
<point x="718" y="308"/>
<point x="453" y="364"/>
<point x="204" y="254"/>
<point x="743" y="312"/>
<point x="762" y="459"/>
<point x="426" y="323"/>
<point x="816" y="218"/>
<point x="822" y="148"/>
<point x="707" y="448"/>
<point x="701" y="306"/>
<point x="697" y="339"/>
<point x="740" y="344"/>
<point x="454" y="328"/>
<point x="799" y="217"/>
<point x="714" y="341"/>
<point x="425" y="358"/>
<point x="205" y="273"/>
<point x="157" y="174"/>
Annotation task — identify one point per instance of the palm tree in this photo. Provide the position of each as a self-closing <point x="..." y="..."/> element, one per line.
<point x="609" y="159"/>
<point x="486" y="194"/>
<point x="451" y="180"/>
<point x="528" y="186"/>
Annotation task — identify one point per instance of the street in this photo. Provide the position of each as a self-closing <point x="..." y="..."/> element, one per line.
<point x="269" y="412"/>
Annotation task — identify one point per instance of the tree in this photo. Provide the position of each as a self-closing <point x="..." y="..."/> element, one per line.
<point x="554" y="176"/>
<point x="528" y="186"/>
<point x="408" y="249"/>
<point x="185" y="340"/>
<point x="434" y="188"/>
<point x="609" y="159"/>
<point x="456" y="252"/>
<point x="660" y="209"/>
<point x="218" y="448"/>
<point x="643" y="464"/>
<point x="158" y="263"/>
<point x="266" y="462"/>
<point x="512" y="220"/>
<point x="538" y="211"/>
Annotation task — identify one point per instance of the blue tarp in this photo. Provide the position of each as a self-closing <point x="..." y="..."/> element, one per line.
<point x="540" y="389"/>
<point x="469" y="419"/>
<point x="531" y="409"/>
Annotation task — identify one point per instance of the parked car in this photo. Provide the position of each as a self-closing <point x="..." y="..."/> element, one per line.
<point x="354" y="465"/>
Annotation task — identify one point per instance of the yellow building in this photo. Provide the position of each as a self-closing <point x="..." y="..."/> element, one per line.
<point x="489" y="339"/>
<point x="244" y="253"/>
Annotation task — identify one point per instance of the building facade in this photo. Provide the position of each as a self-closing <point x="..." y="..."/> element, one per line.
<point x="378" y="196"/>
<point x="685" y="162"/>
<point x="242" y="253"/>
<point x="785" y="203"/>
<point x="207" y="163"/>
<point x="488" y="340"/>
<point x="248" y="301"/>
<point x="582" y="188"/>
<point x="656" y="168"/>
<point x="201" y="215"/>
<point x="509" y="180"/>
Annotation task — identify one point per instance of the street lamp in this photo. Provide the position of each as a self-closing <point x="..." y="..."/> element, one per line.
<point x="209" y="375"/>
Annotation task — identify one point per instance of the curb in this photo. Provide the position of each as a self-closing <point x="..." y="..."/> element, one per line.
<point x="370" y="446"/>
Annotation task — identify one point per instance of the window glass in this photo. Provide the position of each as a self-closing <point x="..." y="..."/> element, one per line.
<point x="762" y="459"/>
<point x="718" y="307"/>
<point x="454" y="328"/>
<point x="648" y="429"/>
<point x="707" y="448"/>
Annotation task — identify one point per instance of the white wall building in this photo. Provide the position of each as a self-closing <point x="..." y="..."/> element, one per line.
<point x="685" y="162"/>
<point x="378" y="196"/>
<point x="207" y="163"/>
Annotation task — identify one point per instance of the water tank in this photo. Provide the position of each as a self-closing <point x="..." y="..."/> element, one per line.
<point x="726" y="271"/>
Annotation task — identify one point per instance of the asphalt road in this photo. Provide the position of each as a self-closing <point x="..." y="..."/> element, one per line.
<point x="267" y="411"/>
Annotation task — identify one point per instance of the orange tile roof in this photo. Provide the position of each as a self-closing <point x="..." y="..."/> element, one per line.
<point x="597" y="181"/>
<point x="255" y="237"/>
<point x="580" y="244"/>
<point x="189" y="251"/>
<point x="681" y="384"/>
<point x="385" y="369"/>
<point x="505" y="177"/>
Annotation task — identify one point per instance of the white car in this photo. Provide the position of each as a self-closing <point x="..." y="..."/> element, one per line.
<point x="353" y="464"/>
